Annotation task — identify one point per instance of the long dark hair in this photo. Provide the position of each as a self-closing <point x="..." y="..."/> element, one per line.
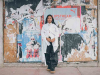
<point x="52" y="19"/>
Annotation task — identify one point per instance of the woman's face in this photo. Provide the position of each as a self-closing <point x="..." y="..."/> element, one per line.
<point x="49" y="19"/>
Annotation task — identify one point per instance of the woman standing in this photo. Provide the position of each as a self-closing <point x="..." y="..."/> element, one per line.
<point x="50" y="36"/>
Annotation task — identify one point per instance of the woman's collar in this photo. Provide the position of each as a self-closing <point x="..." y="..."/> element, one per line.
<point x="49" y="23"/>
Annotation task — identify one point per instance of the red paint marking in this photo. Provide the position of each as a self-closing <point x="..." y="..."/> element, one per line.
<point x="19" y="44"/>
<point x="86" y="27"/>
<point x="30" y="24"/>
<point x="63" y="6"/>
<point x="72" y="10"/>
<point x="82" y="29"/>
<point x="13" y="21"/>
<point x="41" y="21"/>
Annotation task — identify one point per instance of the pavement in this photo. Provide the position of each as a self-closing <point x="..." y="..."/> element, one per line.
<point x="43" y="71"/>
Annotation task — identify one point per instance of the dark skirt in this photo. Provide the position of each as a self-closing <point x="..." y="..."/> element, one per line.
<point x="51" y="56"/>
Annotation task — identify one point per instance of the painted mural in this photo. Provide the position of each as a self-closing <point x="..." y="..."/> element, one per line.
<point x="76" y="20"/>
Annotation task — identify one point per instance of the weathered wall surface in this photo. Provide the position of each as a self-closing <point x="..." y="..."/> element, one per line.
<point x="98" y="32"/>
<point x="76" y="19"/>
<point x="1" y="33"/>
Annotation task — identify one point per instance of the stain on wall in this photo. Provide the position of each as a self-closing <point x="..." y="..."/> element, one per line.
<point x="77" y="29"/>
<point x="10" y="43"/>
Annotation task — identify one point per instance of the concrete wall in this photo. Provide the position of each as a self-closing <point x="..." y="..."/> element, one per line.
<point x="1" y="33"/>
<point x="98" y="32"/>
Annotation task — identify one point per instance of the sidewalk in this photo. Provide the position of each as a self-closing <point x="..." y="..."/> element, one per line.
<point x="42" y="71"/>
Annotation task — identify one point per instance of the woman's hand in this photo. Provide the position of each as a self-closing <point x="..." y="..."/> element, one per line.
<point x="52" y="40"/>
<point x="48" y="39"/>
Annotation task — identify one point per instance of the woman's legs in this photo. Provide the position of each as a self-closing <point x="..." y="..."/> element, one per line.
<point x="47" y="56"/>
<point x="51" y="57"/>
<point x="54" y="59"/>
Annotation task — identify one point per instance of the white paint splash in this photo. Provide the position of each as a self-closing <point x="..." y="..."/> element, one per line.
<point x="73" y="25"/>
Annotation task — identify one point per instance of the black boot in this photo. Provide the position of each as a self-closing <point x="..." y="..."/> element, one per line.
<point x="52" y="69"/>
<point x="48" y="68"/>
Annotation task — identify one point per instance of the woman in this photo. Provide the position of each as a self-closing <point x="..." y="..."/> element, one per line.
<point x="50" y="36"/>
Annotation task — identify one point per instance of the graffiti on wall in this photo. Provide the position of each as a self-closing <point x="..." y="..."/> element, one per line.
<point x="24" y="17"/>
<point x="76" y="20"/>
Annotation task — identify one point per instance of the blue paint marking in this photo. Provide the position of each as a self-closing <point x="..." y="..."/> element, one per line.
<point x="25" y="38"/>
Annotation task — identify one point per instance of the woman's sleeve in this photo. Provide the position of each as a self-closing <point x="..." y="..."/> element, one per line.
<point x="44" y="36"/>
<point x="56" y="32"/>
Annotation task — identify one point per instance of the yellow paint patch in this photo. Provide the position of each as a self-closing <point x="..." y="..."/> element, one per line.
<point x="81" y="56"/>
